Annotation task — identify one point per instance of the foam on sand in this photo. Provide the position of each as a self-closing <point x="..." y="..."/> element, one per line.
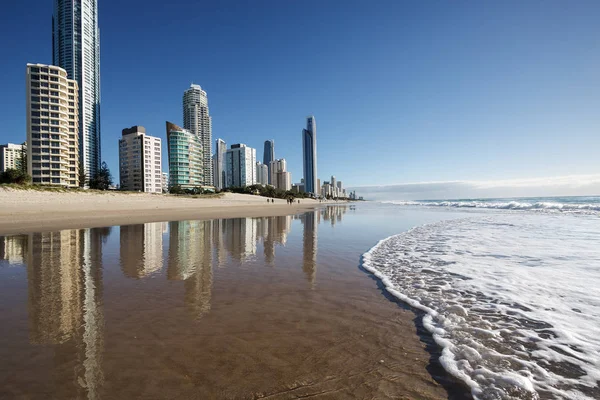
<point x="513" y="300"/>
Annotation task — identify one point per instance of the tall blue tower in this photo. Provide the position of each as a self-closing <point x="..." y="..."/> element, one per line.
<point x="309" y="156"/>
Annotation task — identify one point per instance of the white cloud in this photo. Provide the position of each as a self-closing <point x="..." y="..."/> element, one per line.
<point x="573" y="185"/>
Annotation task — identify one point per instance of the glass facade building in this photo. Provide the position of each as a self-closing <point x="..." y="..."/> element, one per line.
<point x="268" y="156"/>
<point x="309" y="155"/>
<point x="185" y="158"/>
<point x="76" y="48"/>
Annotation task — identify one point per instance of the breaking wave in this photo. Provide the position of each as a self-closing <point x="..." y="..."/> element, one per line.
<point x="512" y="300"/>
<point x="592" y="205"/>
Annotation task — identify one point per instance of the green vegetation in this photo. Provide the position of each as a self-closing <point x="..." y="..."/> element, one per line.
<point x="15" y="176"/>
<point x="267" y="191"/>
<point x="103" y="179"/>
<point x="82" y="175"/>
<point x="195" y="191"/>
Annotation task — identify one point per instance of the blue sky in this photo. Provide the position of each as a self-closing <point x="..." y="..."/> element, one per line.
<point x="402" y="91"/>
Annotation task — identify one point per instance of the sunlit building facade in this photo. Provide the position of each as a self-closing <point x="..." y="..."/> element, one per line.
<point x="52" y="126"/>
<point x="76" y="48"/>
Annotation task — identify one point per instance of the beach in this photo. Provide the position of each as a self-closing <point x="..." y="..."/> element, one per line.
<point x="23" y="211"/>
<point x="274" y="307"/>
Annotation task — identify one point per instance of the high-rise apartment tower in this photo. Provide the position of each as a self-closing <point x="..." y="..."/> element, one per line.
<point x="140" y="161"/>
<point x="185" y="158"/>
<point x="76" y="48"/>
<point x="196" y="119"/>
<point x="52" y="126"/>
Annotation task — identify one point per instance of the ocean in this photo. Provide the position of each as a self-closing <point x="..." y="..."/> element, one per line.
<point x="511" y="292"/>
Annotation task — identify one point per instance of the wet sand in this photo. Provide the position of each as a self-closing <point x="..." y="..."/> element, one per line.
<point x="229" y="309"/>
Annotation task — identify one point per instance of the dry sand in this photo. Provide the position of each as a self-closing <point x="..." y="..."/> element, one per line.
<point x="25" y="211"/>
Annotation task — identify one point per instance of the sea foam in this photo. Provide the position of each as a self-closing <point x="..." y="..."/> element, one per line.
<point x="513" y="300"/>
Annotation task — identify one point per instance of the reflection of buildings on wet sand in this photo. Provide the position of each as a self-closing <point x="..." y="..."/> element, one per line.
<point x="218" y="242"/>
<point x="333" y="214"/>
<point x="273" y="231"/>
<point x="141" y="249"/>
<point x="190" y="260"/>
<point x="64" y="272"/>
<point x="13" y="249"/>
<point x="240" y="237"/>
<point x="309" y="245"/>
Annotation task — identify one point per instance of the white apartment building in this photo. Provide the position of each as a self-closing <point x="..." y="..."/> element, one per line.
<point x="52" y="126"/>
<point x="280" y="178"/>
<point x="240" y="163"/>
<point x="10" y="154"/>
<point x="262" y="174"/>
<point x="140" y="158"/>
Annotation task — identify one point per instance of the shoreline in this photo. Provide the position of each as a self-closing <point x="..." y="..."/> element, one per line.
<point x="25" y="211"/>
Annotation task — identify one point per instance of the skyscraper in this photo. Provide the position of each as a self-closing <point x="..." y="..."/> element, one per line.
<point x="268" y="156"/>
<point x="76" y="48"/>
<point x="196" y="119"/>
<point x="309" y="158"/>
<point x="220" y="178"/>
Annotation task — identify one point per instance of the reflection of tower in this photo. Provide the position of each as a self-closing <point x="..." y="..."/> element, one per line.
<point x="13" y="249"/>
<point x="55" y="286"/>
<point x="240" y="237"/>
<point x="309" y="246"/>
<point x="64" y="271"/>
<point x="217" y="237"/>
<point x="93" y="315"/>
<point x="198" y="287"/>
<point x="184" y="249"/>
<point x="190" y="260"/>
<point x="141" y="249"/>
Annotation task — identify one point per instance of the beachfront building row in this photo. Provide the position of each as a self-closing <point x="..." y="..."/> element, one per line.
<point x="186" y="161"/>
<point x="11" y="155"/>
<point x="52" y="106"/>
<point x="333" y="189"/>
<point x="140" y="157"/>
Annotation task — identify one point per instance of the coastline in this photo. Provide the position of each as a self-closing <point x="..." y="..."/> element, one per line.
<point x="26" y="211"/>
